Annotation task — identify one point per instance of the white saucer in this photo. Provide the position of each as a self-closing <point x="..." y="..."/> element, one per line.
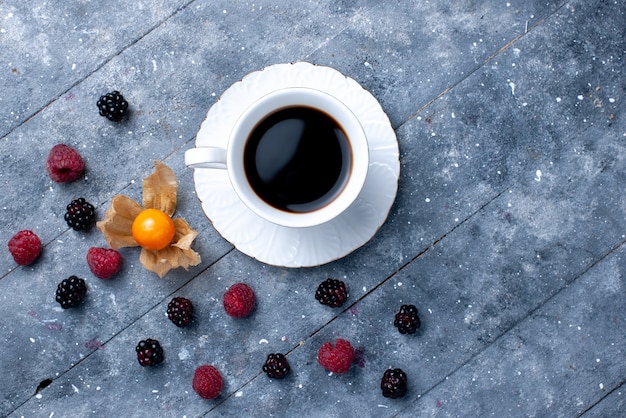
<point x="299" y="247"/>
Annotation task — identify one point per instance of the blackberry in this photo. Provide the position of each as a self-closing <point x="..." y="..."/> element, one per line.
<point x="80" y="215"/>
<point x="112" y="106"/>
<point x="180" y="311"/>
<point x="276" y="366"/>
<point x="149" y="352"/>
<point x="407" y="320"/>
<point x="393" y="383"/>
<point x="332" y="293"/>
<point x="71" y="291"/>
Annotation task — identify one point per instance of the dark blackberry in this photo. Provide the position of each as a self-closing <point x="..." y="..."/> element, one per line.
<point x="332" y="293"/>
<point x="180" y="311"/>
<point x="149" y="352"/>
<point x="407" y="320"/>
<point x="71" y="291"/>
<point x="112" y="106"/>
<point x="393" y="383"/>
<point x="80" y="215"/>
<point x="276" y="366"/>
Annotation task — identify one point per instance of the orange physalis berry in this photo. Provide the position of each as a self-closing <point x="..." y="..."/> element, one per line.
<point x="153" y="229"/>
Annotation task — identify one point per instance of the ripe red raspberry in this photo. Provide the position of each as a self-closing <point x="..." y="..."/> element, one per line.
<point x="239" y="300"/>
<point x="336" y="359"/>
<point x="64" y="164"/>
<point x="104" y="262"/>
<point x="207" y="382"/>
<point x="25" y="247"/>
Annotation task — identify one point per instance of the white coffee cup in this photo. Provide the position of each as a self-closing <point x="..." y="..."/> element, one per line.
<point x="243" y="158"/>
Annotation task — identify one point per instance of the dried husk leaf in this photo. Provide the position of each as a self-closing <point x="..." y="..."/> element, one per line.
<point x="159" y="189"/>
<point x="184" y="235"/>
<point x="177" y="254"/>
<point x="118" y="221"/>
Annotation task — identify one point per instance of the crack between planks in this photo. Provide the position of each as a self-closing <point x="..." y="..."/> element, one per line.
<point x="49" y="381"/>
<point x="606" y="395"/>
<point x="98" y="67"/>
<point x="523" y="319"/>
<point x="490" y="58"/>
<point x="372" y="290"/>
<point x="405" y="265"/>
<point x="99" y="206"/>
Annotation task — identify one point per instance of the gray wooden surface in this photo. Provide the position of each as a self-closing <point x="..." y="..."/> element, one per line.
<point x="507" y="232"/>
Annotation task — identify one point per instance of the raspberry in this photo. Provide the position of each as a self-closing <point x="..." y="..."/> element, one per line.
<point x="64" y="164"/>
<point x="25" y="247"/>
<point x="407" y="320"/>
<point x="276" y="366"/>
<point x="80" y="215"/>
<point x="70" y="292"/>
<point x="149" y="352"/>
<point x="239" y="300"/>
<point x="207" y="382"/>
<point x="180" y="311"/>
<point x="104" y="262"/>
<point x="336" y="359"/>
<point x="112" y="106"/>
<point x="332" y="293"/>
<point x="393" y="383"/>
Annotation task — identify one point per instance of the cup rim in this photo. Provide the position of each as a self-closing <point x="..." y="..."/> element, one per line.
<point x="293" y="97"/>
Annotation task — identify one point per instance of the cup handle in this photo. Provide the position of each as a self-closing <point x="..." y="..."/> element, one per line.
<point x="205" y="157"/>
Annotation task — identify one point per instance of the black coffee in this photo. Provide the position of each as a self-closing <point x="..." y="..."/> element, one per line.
<point x="297" y="159"/>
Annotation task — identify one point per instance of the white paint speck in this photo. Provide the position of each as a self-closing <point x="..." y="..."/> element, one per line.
<point x="154" y="65"/>
<point x="427" y="200"/>
<point x="611" y="100"/>
<point x="558" y="100"/>
<point x="512" y="85"/>
<point x="263" y="341"/>
<point x="203" y="340"/>
<point x="183" y="354"/>
<point x="32" y="340"/>
<point x="580" y="97"/>
<point x="239" y="394"/>
<point x="38" y="396"/>
<point x="75" y="388"/>
<point x="538" y="175"/>
<point x="601" y="385"/>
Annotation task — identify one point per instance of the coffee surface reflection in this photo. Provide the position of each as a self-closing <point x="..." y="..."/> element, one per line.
<point x="297" y="159"/>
